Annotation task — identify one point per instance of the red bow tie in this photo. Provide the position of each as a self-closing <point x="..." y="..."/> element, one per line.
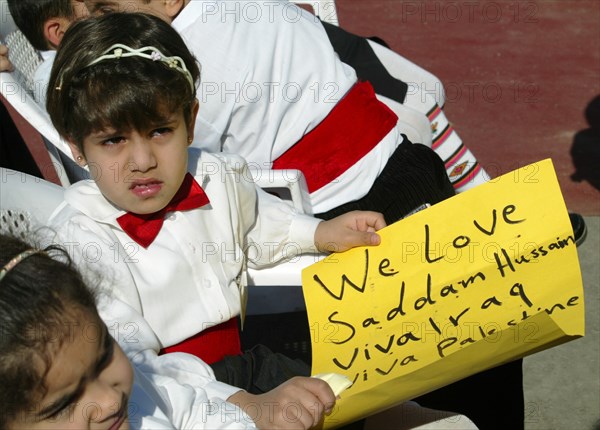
<point x="144" y="228"/>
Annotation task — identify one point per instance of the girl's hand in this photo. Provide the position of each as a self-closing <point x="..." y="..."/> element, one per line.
<point x="347" y="231"/>
<point x="297" y="404"/>
<point x="5" y="65"/>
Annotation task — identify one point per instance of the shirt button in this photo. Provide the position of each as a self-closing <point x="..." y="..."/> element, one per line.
<point x="207" y="283"/>
<point x="172" y="217"/>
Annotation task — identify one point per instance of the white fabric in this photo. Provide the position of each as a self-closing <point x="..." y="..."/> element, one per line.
<point x="172" y="400"/>
<point x="269" y="76"/>
<point x="185" y="281"/>
<point x="171" y="391"/>
<point x="41" y="77"/>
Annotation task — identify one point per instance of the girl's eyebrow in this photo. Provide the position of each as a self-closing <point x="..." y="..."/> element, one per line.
<point x="107" y="345"/>
<point x="108" y="348"/>
<point x="103" y="134"/>
<point x="60" y="404"/>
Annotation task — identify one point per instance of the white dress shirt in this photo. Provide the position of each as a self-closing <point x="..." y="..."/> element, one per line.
<point x="269" y="76"/>
<point x="174" y="398"/>
<point x="178" y="406"/>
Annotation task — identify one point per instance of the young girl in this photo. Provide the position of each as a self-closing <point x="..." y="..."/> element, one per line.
<point x="173" y="245"/>
<point x="61" y="369"/>
<point x="56" y="355"/>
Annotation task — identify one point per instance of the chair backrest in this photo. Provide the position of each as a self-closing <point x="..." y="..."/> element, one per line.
<point x="326" y="10"/>
<point x="26" y="201"/>
<point x="24" y="57"/>
<point x="397" y="66"/>
<point x="17" y="89"/>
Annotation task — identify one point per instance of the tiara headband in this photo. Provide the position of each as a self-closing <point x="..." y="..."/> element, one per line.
<point x="119" y="50"/>
<point x="16" y="260"/>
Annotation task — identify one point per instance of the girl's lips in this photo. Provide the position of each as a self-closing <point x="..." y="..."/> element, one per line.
<point x="121" y="416"/>
<point x="120" y="419"/>
<point x="146" y="189"/>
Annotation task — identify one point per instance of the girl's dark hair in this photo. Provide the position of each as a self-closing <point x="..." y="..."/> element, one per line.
<point x="126" y="93"/>
<point x="39" y="300"/>
<point x="31" y="15"/>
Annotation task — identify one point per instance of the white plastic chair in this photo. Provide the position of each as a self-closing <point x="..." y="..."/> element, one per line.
<point x="418" y="79"/>
<point x="326" y="10"/>
<point x="17" y="88"/>
<point x="31" y="196"/>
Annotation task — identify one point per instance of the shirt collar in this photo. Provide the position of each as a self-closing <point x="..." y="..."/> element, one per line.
<point x="85" y="196"/>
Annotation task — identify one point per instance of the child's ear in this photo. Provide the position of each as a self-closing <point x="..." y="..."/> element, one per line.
<point x="77" y="154"/>
<point x="192" y="123"/>
<point x="173" y="7"/>
<point x="54" y="30"/>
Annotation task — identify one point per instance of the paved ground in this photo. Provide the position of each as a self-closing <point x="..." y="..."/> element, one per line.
<point x="519" y="75"/>
<point x="562" y="384"/>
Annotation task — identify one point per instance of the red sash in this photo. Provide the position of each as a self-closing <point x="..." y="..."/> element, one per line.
<point x="213" y="344"/>
<point x="353" y="128"/>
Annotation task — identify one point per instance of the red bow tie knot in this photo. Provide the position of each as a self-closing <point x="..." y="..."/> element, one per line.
<point x="144" y="228"/>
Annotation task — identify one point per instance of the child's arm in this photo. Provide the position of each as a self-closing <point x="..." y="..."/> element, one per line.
<point x="298" y="403"/>
<point x="273" y="231"/>
<point x="356" y="228"/>
<point x="5" y="64"/>
<point x="174" y="396"/>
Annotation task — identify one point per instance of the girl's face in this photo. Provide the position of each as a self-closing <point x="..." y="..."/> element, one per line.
<point x="88" y="383"/>
<point x="139" y="171"/>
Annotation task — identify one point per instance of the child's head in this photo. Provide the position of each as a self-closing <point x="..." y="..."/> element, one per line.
<point x="59" y="366"/>
<point x="128" y="111"/>
<point x="165" y="9"/>
<point x="44" y="22"/>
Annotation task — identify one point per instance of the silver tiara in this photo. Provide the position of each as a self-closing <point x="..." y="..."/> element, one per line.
<point x="16" y="260"/>
<point x="119" y="50"/>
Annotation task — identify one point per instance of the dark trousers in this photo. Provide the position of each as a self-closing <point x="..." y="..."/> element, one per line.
<point x="259" y="370"/>
<point x="414" y="175"/>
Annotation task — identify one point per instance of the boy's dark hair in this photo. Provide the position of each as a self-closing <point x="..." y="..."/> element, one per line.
<point x="126" y="93"/>
<point x="39" y="298"/>
<point x="31" y="15"/>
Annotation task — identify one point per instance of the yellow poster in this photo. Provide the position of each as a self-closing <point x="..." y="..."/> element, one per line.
<point x="480" y="279"/>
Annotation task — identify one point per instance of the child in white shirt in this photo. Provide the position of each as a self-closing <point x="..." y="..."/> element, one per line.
<point x="44" y="22"/>
<point x="61" y="368"/>
<point x="172" y="244"/>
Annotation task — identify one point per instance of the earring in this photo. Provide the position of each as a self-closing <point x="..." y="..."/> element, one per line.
<point x="79" y="158"/>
